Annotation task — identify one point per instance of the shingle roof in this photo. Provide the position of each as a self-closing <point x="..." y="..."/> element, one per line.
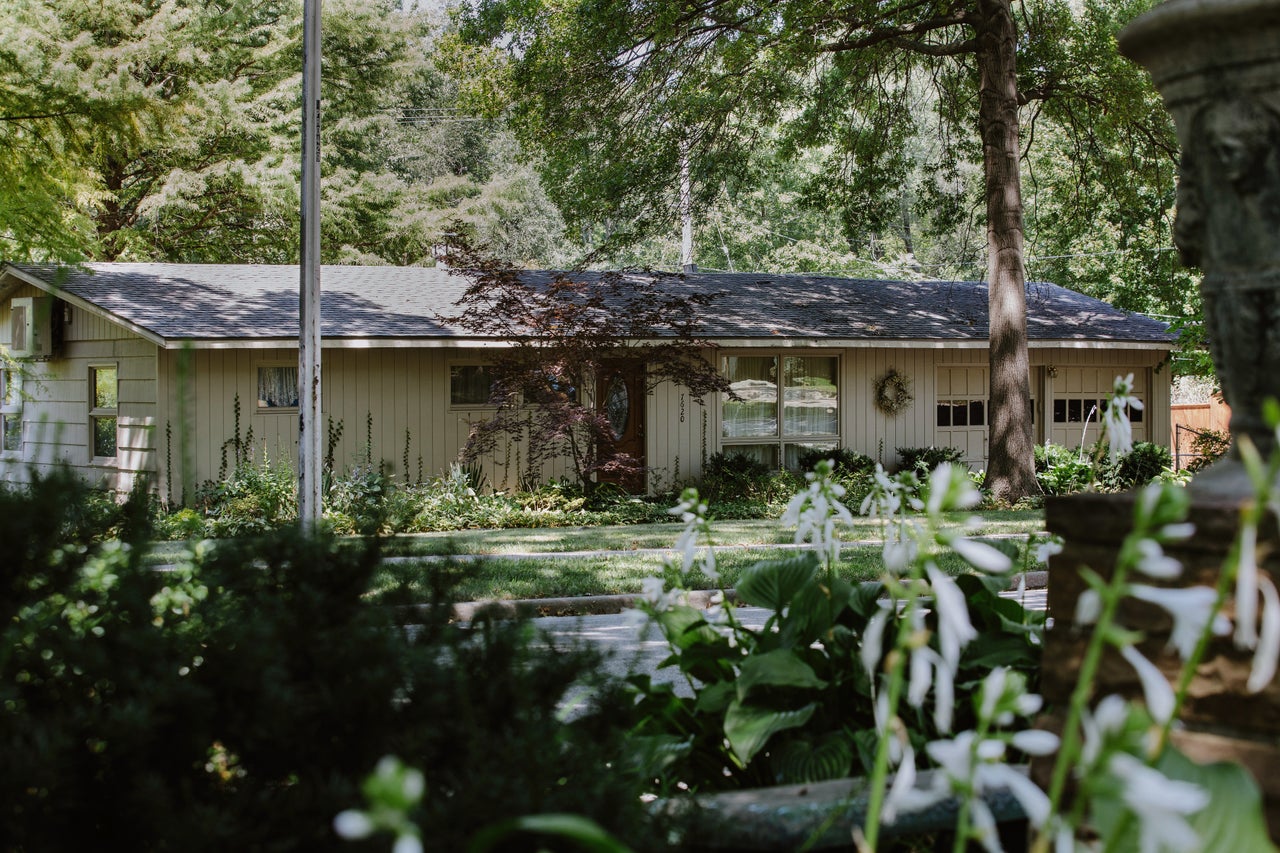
<point x="257" y="302"/>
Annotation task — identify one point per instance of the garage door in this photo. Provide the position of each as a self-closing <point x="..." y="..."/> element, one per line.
<point x="961" y="412"/>
<point x="1080" y="395"/>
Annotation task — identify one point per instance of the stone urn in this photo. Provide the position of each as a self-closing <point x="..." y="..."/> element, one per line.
<point x="1216" y="63"/>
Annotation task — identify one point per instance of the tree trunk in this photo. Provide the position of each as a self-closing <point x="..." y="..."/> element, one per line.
<point x="1011" y="463"/>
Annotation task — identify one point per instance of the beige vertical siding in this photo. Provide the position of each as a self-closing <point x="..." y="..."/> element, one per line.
<point x="56" y="411"/>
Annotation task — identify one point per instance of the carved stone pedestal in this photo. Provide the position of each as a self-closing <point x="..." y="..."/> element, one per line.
<point x="1223" y="721"/>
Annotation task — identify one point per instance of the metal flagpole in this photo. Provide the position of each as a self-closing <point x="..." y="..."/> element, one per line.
<point x="309" y="433"/>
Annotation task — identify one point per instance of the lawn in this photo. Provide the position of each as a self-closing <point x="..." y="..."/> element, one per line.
<point x="493" y="570"/>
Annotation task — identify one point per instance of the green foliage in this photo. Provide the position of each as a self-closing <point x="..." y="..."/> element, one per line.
<point x="922" y="460"/>
<point x="237" y="701"/>
<point x="1144" y="463"/>
<point x="791" y="702"/>
<point x="1209" y="446"/>
<point x="730" y="477"/>
<point x="1061" y="471"/>
<point x="848" y="463"/>
<point x="254" y="499"/>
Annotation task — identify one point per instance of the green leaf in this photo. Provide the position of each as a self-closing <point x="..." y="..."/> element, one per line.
<point x="1232" y="821"/>
<point x="774" y="583"/>
<point x="587" y="833"/>
<point x="865" y="599"/>
<point x="802" y="759"/>
<point x="686" y="626"/>
<point x="779" y="668"/>
<point x="714" y="698"/>
<point x="749" y="727"/>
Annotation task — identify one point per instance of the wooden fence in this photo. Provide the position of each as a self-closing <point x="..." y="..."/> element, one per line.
<point x="1190" y="419"/>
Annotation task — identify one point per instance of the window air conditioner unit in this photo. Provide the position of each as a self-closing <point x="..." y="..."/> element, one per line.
<point x="31" y="327"/>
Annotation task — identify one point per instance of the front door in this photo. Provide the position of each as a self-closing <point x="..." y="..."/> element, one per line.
<point x="620" y="398"/>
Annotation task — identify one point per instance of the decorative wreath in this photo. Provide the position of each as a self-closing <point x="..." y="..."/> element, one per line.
<point x="893" y="392"/>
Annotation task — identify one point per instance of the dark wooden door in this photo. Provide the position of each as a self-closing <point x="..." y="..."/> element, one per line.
<point x="620" y="397"/>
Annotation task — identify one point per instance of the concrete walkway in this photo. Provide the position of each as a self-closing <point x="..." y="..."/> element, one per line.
<point x="636" y="646"/>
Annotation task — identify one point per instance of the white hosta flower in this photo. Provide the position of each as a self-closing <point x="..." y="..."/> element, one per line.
<point x="1155" y="687"/>
<point x="954" y="628"/>
<point x="1035" y="742"/>
<point x="406" y="843"/>
<point x="353" y="824"/>
<point x="904" y="781"/>
<point x="1116" y="420"/>
<point x="873" y="643"/>
<point x="1034" y="802"/>
<point x="1154" y="562"/>
<point x="1100" y="725"/>
<point x="899" y="552"/>
<point x="1192" y="608"/>
<point x="1264" y="660"/>
<point x="1160" y="804"/>
<point x="992" y="692"/>
<point x="1247" y="589"/>
<point x="981" y="556"/>
<point x="1046" y="549"/>
<point x="950" y="488"/>
<point x="653" y="591"/>
<point x="1088" y="607"/>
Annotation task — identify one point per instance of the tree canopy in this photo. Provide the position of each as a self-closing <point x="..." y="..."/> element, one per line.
<point x="169" y="130"/>
<point x="894" y="102"/>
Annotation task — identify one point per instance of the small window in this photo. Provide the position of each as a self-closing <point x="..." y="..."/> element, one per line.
<point x="278" y="386"/>
<point x="944" y="414"/>
<point x="1074" y="411"/>
<point x="10" y="411"/>
<point x="470" y="385"/>
<point x="1059" y="411"/>
<point x="104" y="386"/>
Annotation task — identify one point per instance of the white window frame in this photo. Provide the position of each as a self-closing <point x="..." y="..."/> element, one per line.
<point x="97" y="412"/>
<point x="257" y="387"/>
<point x="461" y="407"/>
<point x="780" y="440"/>
<point x="10" y="408"/>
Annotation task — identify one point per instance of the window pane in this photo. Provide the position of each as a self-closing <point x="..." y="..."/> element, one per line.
<point x="1059" y="411"/>
<point x="755" y="413"/>
<point x="1074" y="412"/>
<point x="944" y="413"/>
<point x="11" y="425"/>
<point x="104" y="388"/>
<point x="810" y="401"/>
<point x="764" y="453"/>
<point x="977" y="413"/>
<point x="791" y="453"/>
<point x="1135" y="415"/>
<point x="469" y="385"/>
<point x="617" y="406"/>
<point x="960" y="413"/>
<point x="277" y="387"/>
<point x="18" y="329"/>
<point x="104" y="436"/>
<point x="8" y="389"/>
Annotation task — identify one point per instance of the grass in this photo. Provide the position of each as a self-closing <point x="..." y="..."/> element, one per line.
<point x="498" y="574"/>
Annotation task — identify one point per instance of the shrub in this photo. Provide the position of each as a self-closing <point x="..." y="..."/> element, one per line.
<point x="238" y="701"/>
<point x="848" y="463"/>
<point x="1209" y="446"/>
<point x="256" y="498"/>
<point x="358" y="499"/>
<point x="1060" y="470"/>
<point x="922" y="460"/>
<point x="1146" y="462"/>
<point x="737" y="477"/>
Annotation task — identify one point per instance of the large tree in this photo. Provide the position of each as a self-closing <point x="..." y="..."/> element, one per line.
<point x="616" y="91"/>
<point x="169" y="130"/>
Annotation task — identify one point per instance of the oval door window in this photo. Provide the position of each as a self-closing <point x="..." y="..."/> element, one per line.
<point x="617" y="406"/>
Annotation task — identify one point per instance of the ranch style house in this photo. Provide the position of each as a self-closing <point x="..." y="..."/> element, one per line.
<point x="121" y="370"/>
